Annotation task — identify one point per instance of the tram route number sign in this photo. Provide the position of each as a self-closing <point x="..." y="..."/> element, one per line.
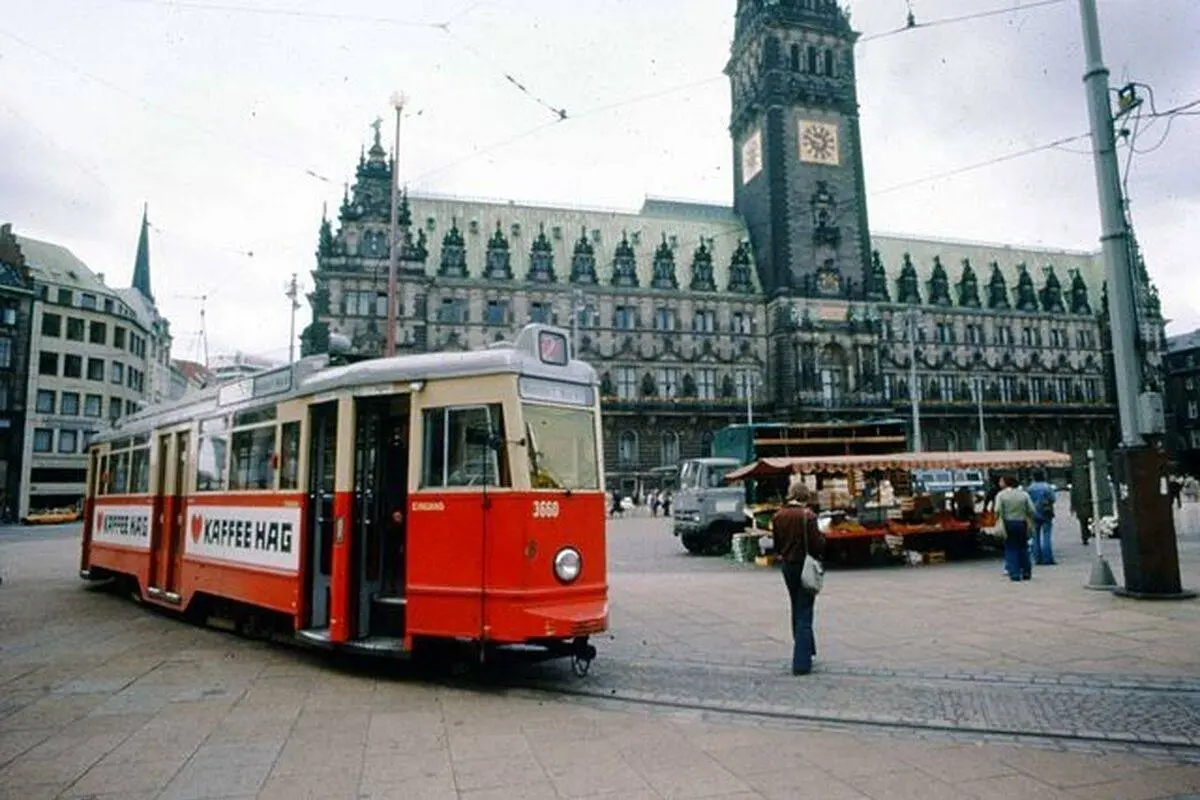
<point x="247" y="536"/>
<point x="123" y="526"/>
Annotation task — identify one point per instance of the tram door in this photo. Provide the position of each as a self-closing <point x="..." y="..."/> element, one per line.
<point x="166" y="542"/>
<point x="322" y="463"/>
<point x="380" y="494"/>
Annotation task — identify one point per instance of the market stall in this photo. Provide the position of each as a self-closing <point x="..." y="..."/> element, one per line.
<point x="869" y="503"/>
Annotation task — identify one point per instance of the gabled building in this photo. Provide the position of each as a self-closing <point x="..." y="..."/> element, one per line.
<point x="90" y="363"/>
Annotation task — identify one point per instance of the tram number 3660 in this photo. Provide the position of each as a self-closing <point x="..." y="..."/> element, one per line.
<point x="545" y="509"/>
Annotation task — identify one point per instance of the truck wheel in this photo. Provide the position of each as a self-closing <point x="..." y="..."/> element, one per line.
<point x="693" y="542"/>
<point x="720" y="540"/>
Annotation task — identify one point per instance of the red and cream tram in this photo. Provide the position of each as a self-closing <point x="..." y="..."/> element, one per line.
<point x="374" y="505"/>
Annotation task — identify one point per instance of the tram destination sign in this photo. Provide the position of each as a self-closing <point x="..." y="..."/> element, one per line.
<point x="247" y="536"/>
<point x="122" y="526"/>
<point x="556" y="392"/>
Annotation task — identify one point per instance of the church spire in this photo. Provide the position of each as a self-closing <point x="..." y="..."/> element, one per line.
<point x="141" y="263"/>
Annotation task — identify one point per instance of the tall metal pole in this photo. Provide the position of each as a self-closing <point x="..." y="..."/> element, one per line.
<point x="1091" y="457"/>
<point x="394" y="235"/>
<point x="1114" y="232"/>
<point x="914" y="386"/>
<point x="576" y="308"/>
<point x="746" y="381"/>
<point x="293" y="291"/>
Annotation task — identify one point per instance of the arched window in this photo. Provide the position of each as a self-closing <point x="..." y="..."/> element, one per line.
<point x="627" y="448"/>
<point x="670" y="448"/>
<point x="829" y="63"/>
<point x="812" y="60"/>
<point x="795" y="58"/>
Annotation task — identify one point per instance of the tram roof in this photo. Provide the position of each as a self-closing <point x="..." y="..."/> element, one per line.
<point x="313" y="375"/>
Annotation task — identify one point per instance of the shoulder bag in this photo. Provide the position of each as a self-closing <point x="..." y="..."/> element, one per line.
<point x="812" y="574"/>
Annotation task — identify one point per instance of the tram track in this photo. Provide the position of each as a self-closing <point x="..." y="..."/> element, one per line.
<point x="1159" y="718"/>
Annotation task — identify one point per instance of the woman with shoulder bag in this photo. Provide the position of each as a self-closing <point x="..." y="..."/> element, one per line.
<point x="797" y="540"/>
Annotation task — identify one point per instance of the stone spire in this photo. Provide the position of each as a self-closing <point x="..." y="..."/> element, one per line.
<point x="141" y="262"/>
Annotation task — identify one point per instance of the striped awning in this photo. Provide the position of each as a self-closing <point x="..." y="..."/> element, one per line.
<point x="982" y="459"/>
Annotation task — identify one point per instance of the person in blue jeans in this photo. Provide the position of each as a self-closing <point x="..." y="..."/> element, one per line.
<point x="1015" y="510"/>
<point x="1043" y="495"/>
<point x="796" y="534"/>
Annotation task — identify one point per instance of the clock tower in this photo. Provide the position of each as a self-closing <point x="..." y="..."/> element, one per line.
<point x="798" y="173"/>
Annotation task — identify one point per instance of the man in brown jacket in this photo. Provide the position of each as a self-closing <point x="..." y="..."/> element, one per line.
<point x="796" y="533"/>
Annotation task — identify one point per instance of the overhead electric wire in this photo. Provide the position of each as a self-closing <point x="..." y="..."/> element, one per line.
<point x="971" y="167"/>
<point x="914" y="25"/>
<point x="501" y="143"/>
<point x="559" y="113"/>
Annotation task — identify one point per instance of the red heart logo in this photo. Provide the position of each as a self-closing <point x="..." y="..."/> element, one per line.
<point x="197" y="527"/>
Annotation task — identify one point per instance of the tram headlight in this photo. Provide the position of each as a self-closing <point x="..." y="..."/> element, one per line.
<point x="567" y="564"/>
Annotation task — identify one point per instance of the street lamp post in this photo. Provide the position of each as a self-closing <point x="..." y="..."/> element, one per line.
<point x="979" y="410"/>
<point x="747" y="382"/>
<point x="398" y="101"/>
<point x="577" y="307"/>
<point x="911" y="318"/>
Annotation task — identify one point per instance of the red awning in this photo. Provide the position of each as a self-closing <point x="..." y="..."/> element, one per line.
<point x="985" y="459"/>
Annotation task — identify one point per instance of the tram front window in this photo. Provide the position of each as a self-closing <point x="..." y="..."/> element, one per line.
<point x="561" y="443"/>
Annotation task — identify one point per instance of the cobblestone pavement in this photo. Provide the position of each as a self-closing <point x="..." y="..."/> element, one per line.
<point x="102" y="699"/>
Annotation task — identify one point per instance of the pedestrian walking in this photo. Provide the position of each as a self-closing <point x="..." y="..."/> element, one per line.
<point x="1042" y="495"/>
<point x="796" y="535"/>
<point x="1175" y="490"/>
<point x="666" y="504"/>
<point x="1015" y="510"/>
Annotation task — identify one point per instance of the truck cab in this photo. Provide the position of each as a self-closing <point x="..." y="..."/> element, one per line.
<point x="707" y="512"/>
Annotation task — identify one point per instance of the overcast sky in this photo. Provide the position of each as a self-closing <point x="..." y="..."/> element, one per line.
<point x="238" y="119"/>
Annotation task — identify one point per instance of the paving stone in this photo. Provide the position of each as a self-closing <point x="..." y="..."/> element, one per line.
<point x="318" y="786"/>
<point x="495" y="773"/>
<point x="389" y="768"/>
<point x="424" y="789"/>
<point x="598" y="776"/>
<point x="206" y="779"/>
<point x="126" y="779"/>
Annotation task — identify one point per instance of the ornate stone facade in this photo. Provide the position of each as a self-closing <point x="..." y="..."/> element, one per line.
<point x="686" y="308"/>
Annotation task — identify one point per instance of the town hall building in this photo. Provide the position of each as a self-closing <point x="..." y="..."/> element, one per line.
<point x="784" y="305"/>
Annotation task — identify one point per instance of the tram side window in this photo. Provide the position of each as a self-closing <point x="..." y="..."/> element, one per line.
<point x="253" y="459"/>
<point x="289" y="463"/>
<point x="139" y="470"/>
<point x="211" y="475"/>
<point x="457" y="450"/>
<point x="120" y="473"/>
<point x="102" y="486"/>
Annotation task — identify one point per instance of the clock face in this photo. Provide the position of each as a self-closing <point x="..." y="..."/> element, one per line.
<point x="818" y="142"/>
<point x="752" y="157"/>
